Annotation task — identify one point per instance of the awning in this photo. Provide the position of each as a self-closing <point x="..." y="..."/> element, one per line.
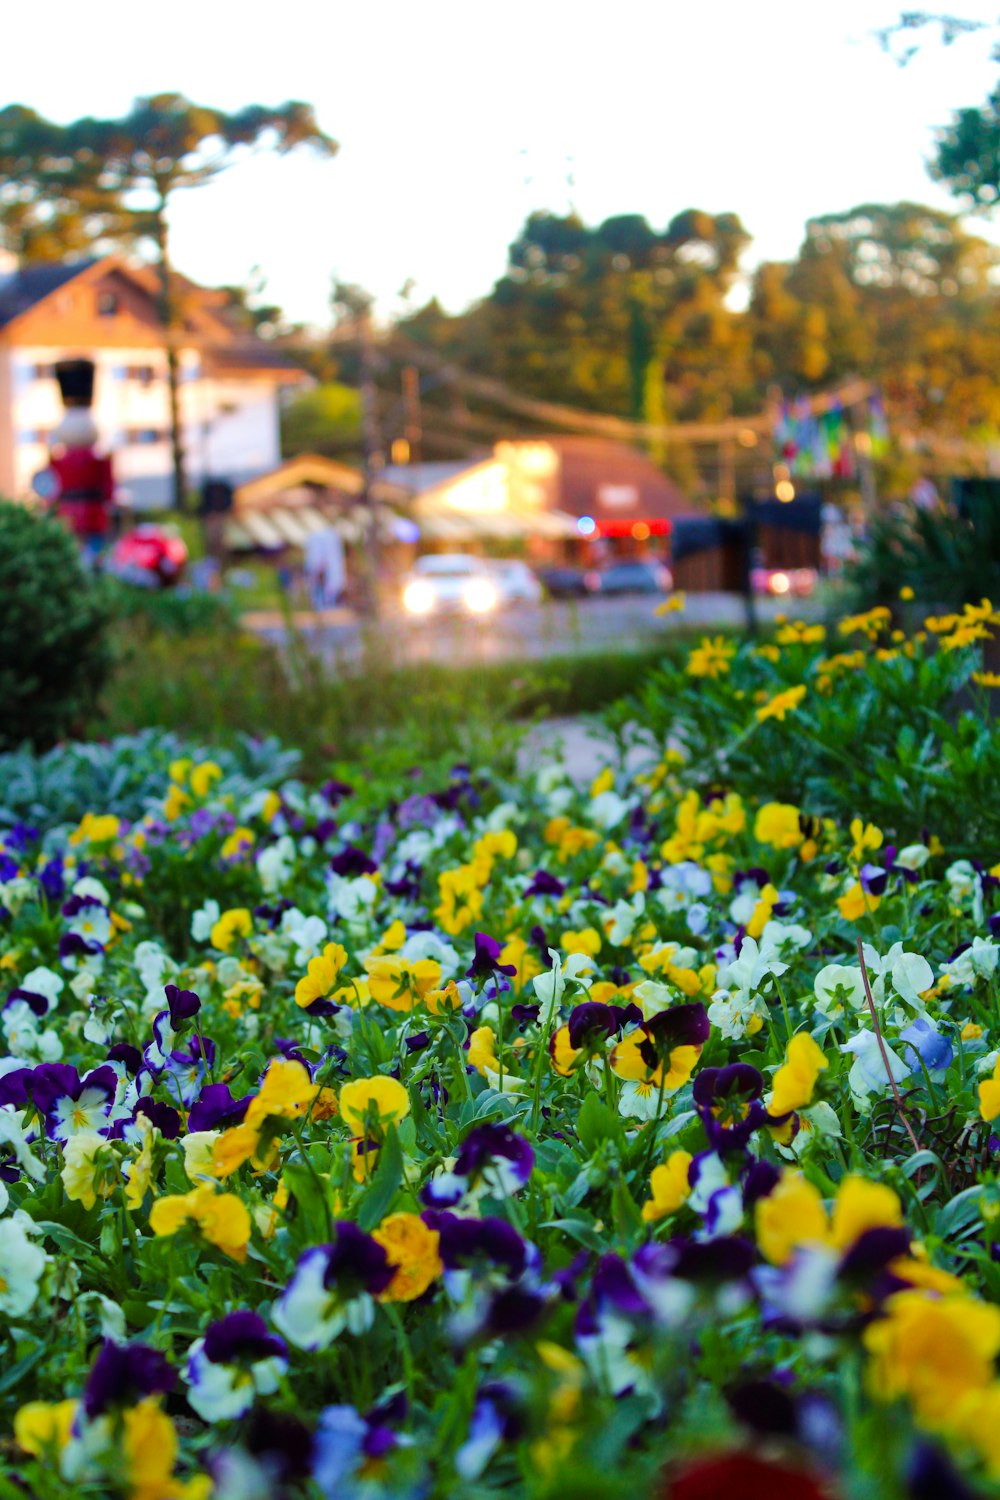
<point x="494" y="525"/>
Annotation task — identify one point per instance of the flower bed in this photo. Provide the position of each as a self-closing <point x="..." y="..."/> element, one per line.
<point x="505" y="1138"/>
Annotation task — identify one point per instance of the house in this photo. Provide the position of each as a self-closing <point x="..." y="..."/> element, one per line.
<point x="106" y="310"/>
<point x="547" y="492"/>
<point x="305" y="494"/>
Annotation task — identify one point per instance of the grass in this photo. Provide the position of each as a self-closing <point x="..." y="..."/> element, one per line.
<point x="190" y="668"/>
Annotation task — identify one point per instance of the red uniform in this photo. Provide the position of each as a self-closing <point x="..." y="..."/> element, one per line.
<point x="86" y="490"/>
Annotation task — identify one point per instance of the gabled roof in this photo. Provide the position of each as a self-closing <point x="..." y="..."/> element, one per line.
<point x="309" y="469"/>
<point x="29" y="285"/>
<point x="230" y="349"/>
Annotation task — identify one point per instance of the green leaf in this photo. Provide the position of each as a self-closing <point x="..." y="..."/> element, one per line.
<point x="595" y="1123"/>
<point x="384" y="1184"/>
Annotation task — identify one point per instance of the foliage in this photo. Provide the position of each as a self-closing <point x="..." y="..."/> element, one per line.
<point x="47" y="791"/>
<point x="626" y="319"/>
<point x="504" y="1137"/>
<point x="880" y="731"/>
<point x="54" y="650"/>
<point x="326" y="419"/>
<point x="950" y="558"/>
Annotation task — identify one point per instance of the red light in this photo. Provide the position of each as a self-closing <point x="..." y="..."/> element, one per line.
<point x="638" y="529"/>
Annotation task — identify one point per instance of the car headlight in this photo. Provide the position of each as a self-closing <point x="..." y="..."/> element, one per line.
<point x="418" y="597"/>
<point x="479" y="596"/>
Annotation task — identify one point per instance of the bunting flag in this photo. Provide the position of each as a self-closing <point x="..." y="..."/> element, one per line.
<point x="821" y="445"/>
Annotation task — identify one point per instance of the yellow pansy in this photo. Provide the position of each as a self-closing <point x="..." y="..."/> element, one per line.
<point x="669" y="1186"/>
<point x="380" y="1100"/>
<point x="790" y="1217"/>
<point x="221" y="1218"/>
<point x="232" y="924"/>
<point x="400" y="983"/>
<point x="413" y="1251"/>
<point x="777" y="824"/>
<point x="795" y="1080"/>
<point x="321" y="975"/>
<point x="204" y="777"/>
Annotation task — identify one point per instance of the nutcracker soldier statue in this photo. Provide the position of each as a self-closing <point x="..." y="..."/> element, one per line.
<point x="78" y="483"/>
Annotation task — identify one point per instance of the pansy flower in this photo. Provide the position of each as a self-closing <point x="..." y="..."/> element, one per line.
<point x="237" y="1360"/>
<point x="332" y="1289"/>
<point x="70" y="1104"/>
<point x="493" y="1157"/>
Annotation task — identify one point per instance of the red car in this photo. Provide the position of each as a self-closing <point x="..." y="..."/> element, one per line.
<point x="152" y="556"/>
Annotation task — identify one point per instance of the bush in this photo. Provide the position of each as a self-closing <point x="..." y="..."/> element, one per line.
<point x="945" y="558"/>
<point x="54" y="647"/>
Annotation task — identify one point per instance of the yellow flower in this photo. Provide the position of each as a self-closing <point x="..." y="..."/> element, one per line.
<point x="204" y="777"/>
<point x="856" y="901"/>
<point x="222" y="1218"/>
<point x="987" y="679"/>
<point x="524" y="958"/>
<point x="602" y="783"/>
<point x="178" y="770"/>
<point x="149" y="1445"/>
<point x="587" y="940"/>
<point x="90" y="1168"/>
<point x="866" y="836"/>
<point x="989" y="1095"/>
<point x="392" y="938"/>
<point x="562" y="1054"/>
<point x="673" y="605"/>
<point x="174" y="803"/>
<point x="906" y="592"/>
<point x="669" y="1186"/>
<point x="198" y="1147"/>
<point x="482" y="1053"/>
<point x="763" y="910"/>
<point x="366" y="1099"/>
<point x="782" y="703"/>
<point x="448" y="998"/>
<point x="792" y="1216"/>
<point x="933" y="1350"/>
<point x="412" y="1249"/>
<point x="795" y="1080"/>
<point x="240" y="840"/>
<point x="96" y="829"/>
<point x="231" y="925"/>
<point x="233" y="1148"/>
<point x="272" y="806"/>
<point x="777" y="824"/>
<point x="628" y="1062"/>
<point x="287" y="1091"/>
<point x="400" y="983"/>
<point x="44" y="1427"/>
<point x="321" y="975"/>
<point x="870" y="623"/>
<point x="711" y="657"/>
<point x="861" y="1205"/>
<point x="461" y="899"/>
<point x="970" y="1031"/>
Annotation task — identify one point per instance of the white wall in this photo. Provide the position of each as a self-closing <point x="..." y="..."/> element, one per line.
<point x="230" y="426"/>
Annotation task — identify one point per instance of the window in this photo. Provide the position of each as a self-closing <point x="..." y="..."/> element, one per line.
<point x="144" y="374"/>
<point x="34" y="435"/>
<point x="107" y="304"/>
<point x="144" y="435"/>
<point x="43" y="372"/>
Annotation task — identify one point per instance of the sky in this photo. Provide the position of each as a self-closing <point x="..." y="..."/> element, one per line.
<point x="455" y="120"/>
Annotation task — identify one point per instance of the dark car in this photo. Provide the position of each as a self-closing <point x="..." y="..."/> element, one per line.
<point x="634" y="576"/>
<point x="563" y="582"/>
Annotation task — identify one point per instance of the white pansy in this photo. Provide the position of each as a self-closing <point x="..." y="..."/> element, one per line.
<point x="979" y="961"/>
<point x="837" y="986"/>
<point x="429" y="945"/>
<point x="203" y="920"/>
<point x="274" y="864"/>
<point x="965" y="888"/>
<point x="913" y="857"/>
<point x="223" y="1392"/>
<point x="350" y="898"/>
<point x="87" y="885"/>
<point x="747" y="973"/>
<point x="43" y="981"/>
<point x="306" y="934"/>
<point x="13" y="1138"/>
<point x="24" y="1038"/>
<point x="83" y="984"/>
<point x="868" y="1072"/>
<point x="733" y="1014"/>
<point x="911" y="975"/>
<point x="785" y="936"/>
<point x="607" y="809"/>
<point x="14" y="893"/>
<point x="22" y="1265"/>
<point x="93" y="923"/>
<point x="503" y="816"/>
<point x="620" y="921"/>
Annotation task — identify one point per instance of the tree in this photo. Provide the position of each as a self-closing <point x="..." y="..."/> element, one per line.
<point x="112" y="180"/>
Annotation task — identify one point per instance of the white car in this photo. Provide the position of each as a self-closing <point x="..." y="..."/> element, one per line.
<point x="515" y="582"/>
<point x="450" y="583"/>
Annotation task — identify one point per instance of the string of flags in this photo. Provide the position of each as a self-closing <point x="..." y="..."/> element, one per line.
<point x="821" y="445"/>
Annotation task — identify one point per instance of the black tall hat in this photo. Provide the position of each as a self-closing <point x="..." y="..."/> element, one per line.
<point x="76" y="381"/>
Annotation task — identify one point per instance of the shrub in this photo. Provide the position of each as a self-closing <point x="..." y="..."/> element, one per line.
<point x="54" y="648"/>
<point x="944" y="557"/>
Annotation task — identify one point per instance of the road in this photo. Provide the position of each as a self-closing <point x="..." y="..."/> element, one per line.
<point x="522" y="631"/>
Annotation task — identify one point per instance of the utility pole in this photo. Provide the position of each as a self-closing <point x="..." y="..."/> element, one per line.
<point x="412" y="426"/>
<point x="371" y="468"/>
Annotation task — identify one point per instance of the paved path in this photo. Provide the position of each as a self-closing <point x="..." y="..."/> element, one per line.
<point x="556" y="628"/>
